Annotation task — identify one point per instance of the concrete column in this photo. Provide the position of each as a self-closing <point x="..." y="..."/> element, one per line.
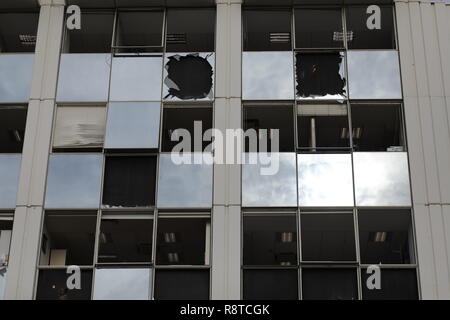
<point x="20" y="282"/>
<point x="226" y="260"/>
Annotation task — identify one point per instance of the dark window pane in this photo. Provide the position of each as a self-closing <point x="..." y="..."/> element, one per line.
<point x="318" y="28"/>
<point x="18" y="32"/>
<point x="270" y="240"/>
<point x="129" y="182"/>
<point x="267" y="30"/>
<point x="12" y="128"/>
<point x="182" y="285"/>
<point x="271" y="284"/>
<point x="125" y="240"/>
<point x="329" y="284"/>
<point x="328" y="237"/>
<point x="396" y="284"/>
<point x="52" y="285"/>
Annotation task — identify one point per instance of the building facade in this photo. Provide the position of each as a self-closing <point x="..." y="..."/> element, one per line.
<point x="355" y="94"/>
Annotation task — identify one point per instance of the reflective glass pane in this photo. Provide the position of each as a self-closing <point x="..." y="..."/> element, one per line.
<point x="5" y="242"/>
<point x="136" y="78"/>
<point x="325" y="180"/>
<point x="133" y="125"/>
<point x="185" y="185"/>
<point x="52" y="285"/>
<point x="181" y="285"/>
<point x="84" y="77"/>
<point x="73" y="181"/>
<point x="329" y="284"/>
<point x="9" y="179"/>
<point x="374" y="75"/>
<point x="269" y="180"/>
<point x="267" y="75"/>
<point x="396" y="284"/>
<point x="122" y="284"/>
<point x="2" y="282"/>
<point x="381" y="179"/>
<point x="15" y="77"/>
<point x="270" y="284"/>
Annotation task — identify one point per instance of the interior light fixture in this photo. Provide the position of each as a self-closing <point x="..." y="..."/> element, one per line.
<point x="169" y="237"/>
<point x="173" y="257"/>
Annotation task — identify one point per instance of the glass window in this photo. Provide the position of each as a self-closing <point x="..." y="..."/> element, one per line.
<point x="9" y="182"/>
<point x="368" y="30"/>
<point x="68" y="238"/>
<point x="377" y="127"/>
<point x="84" y="77"/>
<point x="181" y="285"/>
<point x="265" y="119"/>
<point x="328" y="237"/>
<point x="269" y="180"/>
<point x="133" y="125"/>
<point x="12" y="128"/>
<point x="79" y="127"/>
<point x="6" y="225"/>
<point x="396" y="284"/>
<point x="381" y="179"/>
<point x="323" y="127"/>
<point x="267" y="30"/>
<point x="129" y="181"/>
<point x="374" y="75"/>
<point x="18" y="32"/>
<point x="122" y="284"/>
<point x="320" y="75"/>
<point x="325" y="180"/>
<point x="176" y="181"/>
<point x="267" y="75"/>
<point x="190" y="30"/>
<point x="52" y="285"/>
<point x="183" y="241"/>
<point x="186" y="118"/>
<point x="126" y="239"/>
<point x="136" y="78"/>
<point x="329" y="284"/>
<point x="386" y="236"/>
<point x="15" y="78"/>
<point x="318" y="28"/>
<point x="189" y="76"/>
<point x="73" y="181"/>
<point x="270" y="240"/>
<point x="271" y="284"/>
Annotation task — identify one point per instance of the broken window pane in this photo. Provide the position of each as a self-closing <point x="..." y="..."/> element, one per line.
<point x="329" y="284"/>
<point x="183" y="241"/>
<point x="122" y="284"/>
<point x="189" y="76"/>
<point x="267" y="75"/>
<point x="84" y="77"/>
<point x="267" y="30"/>
<point x="271" y="284"/>
<point x="129" y="181"/>
<point x="125" y="240"/>
<point x="186" y="118"/>
<point x="269" y="180"/>
<point x="190" y="30"/>
<point x="325" y="180"/>
<point x="320" y="75"/>
<point x="181" y="285"/>
<point x="176" y="181"/>
<point x="9" y="181"/>
<point x="377" y="127"/>
<point x="52" y="285"/>
<point x="265" y="120"/>
<point x="318" y="28"/>
<point x="381" y="179"/>
<point x="18" y="32"/>
<point x="79" y="127"/>
<point x="136" y="78"/>
<point x="133" y="125"/>
<point x="374" y="75"/>
<point x="74" y="181"/>
<point x="270" y="240"/>
<point x="328" y="237"/>
<point x="68" y="238"/>
<point x="15" y="78"/>
<point x="323" y="127"/>
<point x="368" y="30"/>
<point x="386" y="236"/>
<point x="12" y="128"/>
<point x="396" y="284"/>
<point x="95" y="35"/>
